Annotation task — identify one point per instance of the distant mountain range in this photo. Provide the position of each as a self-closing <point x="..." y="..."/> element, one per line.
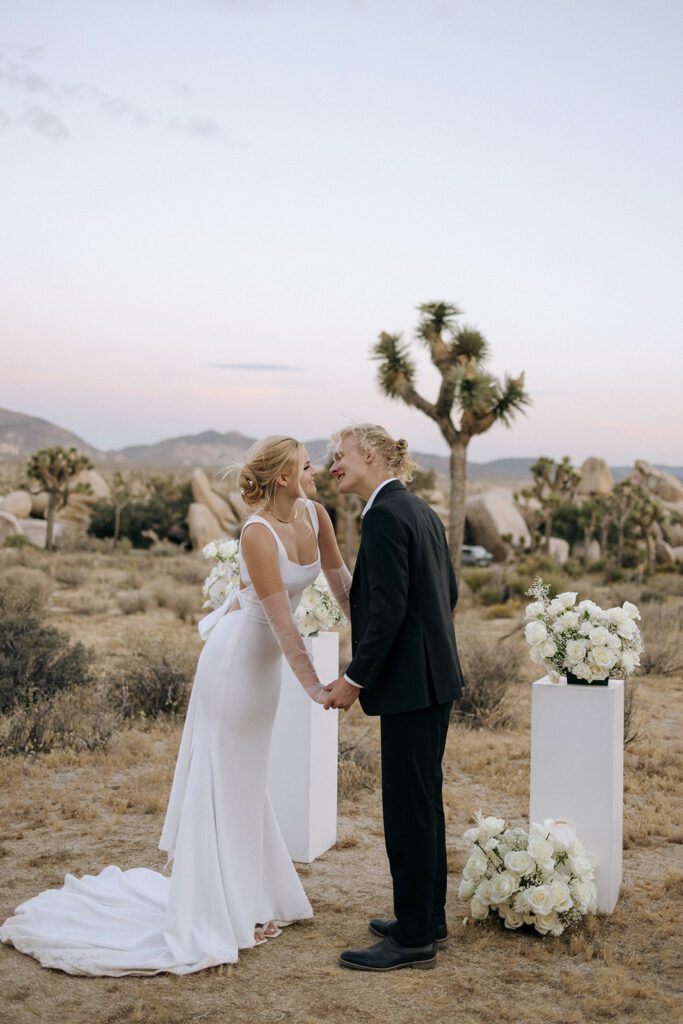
<point x="20" y="435"/>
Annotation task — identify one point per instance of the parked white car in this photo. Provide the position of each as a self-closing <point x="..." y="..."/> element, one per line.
<point x="475" y="554"/>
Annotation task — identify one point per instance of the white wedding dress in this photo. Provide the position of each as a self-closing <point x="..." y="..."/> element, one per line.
<point x="231" y="868"/>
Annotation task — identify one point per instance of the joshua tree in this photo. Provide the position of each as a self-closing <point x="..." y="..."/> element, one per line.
<point x="54" y="469"/>
<point x="554" y="483"/>
<point x="467" y="391"/>
<point x="123" y="491"/>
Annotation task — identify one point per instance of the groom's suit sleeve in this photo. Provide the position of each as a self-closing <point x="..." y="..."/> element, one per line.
<point x="387" y="547"/>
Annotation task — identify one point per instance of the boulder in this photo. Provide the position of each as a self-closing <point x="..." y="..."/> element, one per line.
<point x="36" y="531"/>
<point x="17" y="503"/>
<point x="492" y="516"/>
<point x="203" y="526"/>
<point x="664" y="554"/>
<point x="673" y="533"/>
<point x="203" y="494"/>
<point x="596" y="478"/>
<point x="10" y="526"/>
<point x="678" y="554"/>
<point x="658" y="483"/>
<point x="559" y="549"/>
<point x="78" y="509"/>
<point x="39" y="503"/>
<point x="592" y="552"/>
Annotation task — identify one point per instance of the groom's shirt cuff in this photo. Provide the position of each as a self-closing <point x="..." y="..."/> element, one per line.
<point x="357" y="685"/>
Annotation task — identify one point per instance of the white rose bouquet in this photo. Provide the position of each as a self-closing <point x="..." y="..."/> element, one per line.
<point x="543" y="877"/>
<point x="317" y="608"/>
<point x="225" y="573"/>
<point x="581" y="639"/>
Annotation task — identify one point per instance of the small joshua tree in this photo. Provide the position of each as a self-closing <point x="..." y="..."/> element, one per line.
<point x="54" y="469"/>
<point x="469" y="402"/>
<point x="554" y="484"/>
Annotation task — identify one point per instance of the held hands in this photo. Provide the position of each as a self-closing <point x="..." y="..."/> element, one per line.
<point x="340" y="694"/>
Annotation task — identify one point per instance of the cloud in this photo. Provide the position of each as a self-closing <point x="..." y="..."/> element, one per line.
<point x="258" y="367"/>
<point x="44" y="122"/>
<point x="17" y="74"/>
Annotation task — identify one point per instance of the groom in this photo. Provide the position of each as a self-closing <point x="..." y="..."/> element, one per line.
<point x="405" y="669"/>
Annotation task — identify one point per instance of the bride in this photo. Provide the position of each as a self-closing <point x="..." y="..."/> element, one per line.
<point x="232" y="880"/>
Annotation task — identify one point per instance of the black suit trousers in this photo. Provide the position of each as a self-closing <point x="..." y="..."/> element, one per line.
<point x="413" y="744"/>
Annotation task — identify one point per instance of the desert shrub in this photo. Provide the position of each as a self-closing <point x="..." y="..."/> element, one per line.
<point x="475" y="577"/>
<point x="358" y="767"/>
<point x="36" y="660"/>
<point x="506" y="610"/>
<point x="519" y="577"/>
<point x="489" y="667"/>
<point x="70" y="575"/>
<point x="185" y="602"/>
<point x="132" y="602"/>
<point x="75" y="719"/>
<point x="573" y="568"/>
<point x="662" y="631"/>
<point x="154" y="681"/>
<point x="190" y="570"/>
<point x="82" y="604"/>
<point x="19" y="540"/>
<point x="24" y="591"/>
<point x="631" y="708"/>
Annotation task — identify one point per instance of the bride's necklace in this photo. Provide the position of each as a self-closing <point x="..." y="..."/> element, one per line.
<point x="285" y="522"/>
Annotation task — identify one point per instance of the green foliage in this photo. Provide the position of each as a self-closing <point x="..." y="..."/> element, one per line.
<point x="161" y="516"/>
<point x="36" y="660"/>
<point x="476" y="577"/>
<point x="567" y="523"/>
<point x="423" y="482"/>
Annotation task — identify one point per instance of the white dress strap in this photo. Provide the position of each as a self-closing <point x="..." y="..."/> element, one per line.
<point x="313" y="514"/>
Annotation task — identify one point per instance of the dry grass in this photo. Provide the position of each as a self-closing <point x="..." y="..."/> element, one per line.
<point x="80" y="810"/>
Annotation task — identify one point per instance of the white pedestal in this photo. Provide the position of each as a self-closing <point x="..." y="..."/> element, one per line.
<point x="302" y="778"/>
<point x="577" y="770"/>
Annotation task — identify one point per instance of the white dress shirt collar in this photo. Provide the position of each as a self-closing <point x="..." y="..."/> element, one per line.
<point x="375" y="493"/>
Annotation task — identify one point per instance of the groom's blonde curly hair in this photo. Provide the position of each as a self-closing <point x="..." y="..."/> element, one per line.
<point x="371" y="437"/>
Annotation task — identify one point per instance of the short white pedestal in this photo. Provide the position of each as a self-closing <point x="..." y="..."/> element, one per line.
<point x="577" y="770"/>
<point x="302" y="778"/>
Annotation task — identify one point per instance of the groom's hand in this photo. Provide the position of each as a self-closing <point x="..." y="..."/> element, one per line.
<point x="340" y="694"/>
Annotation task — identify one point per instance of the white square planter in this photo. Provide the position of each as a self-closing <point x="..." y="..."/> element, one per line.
<point x="577" y="770"/>
<point x="302" y="777"/>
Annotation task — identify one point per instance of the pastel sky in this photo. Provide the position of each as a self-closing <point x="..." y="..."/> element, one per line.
<point x="212" y="207"/>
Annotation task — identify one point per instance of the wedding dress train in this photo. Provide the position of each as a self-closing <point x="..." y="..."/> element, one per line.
<point x="231" y="869"/>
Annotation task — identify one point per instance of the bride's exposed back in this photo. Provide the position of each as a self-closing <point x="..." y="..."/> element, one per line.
<point x="232" y="881"/>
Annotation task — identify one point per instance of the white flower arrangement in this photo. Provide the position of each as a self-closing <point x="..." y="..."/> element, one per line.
<point x="589" y="642"/>
<point x="225" y="573"/>
<point x="543" y="877"/>
<point x="317" y="607"/>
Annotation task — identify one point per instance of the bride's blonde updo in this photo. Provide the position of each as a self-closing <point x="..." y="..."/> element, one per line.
<point x="373" y="438"/>
<point x="266" y="461"/>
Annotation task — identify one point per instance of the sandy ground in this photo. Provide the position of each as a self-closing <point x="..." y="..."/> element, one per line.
<point x="65" y="812"/>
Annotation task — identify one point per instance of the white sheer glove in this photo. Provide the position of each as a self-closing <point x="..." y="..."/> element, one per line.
<point x="279" y="614"/>
<point x="339" y="581"/>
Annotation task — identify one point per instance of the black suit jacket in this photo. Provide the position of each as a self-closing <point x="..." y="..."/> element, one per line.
<point x="403" y="594"/>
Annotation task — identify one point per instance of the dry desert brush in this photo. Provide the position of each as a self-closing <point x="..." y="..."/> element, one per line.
<point x="489" y="668"/>
<point x="154" y="679"/>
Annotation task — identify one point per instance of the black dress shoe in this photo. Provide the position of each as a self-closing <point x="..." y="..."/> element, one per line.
<point x="379" y="926"/>
<point x="387" y="955"/>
